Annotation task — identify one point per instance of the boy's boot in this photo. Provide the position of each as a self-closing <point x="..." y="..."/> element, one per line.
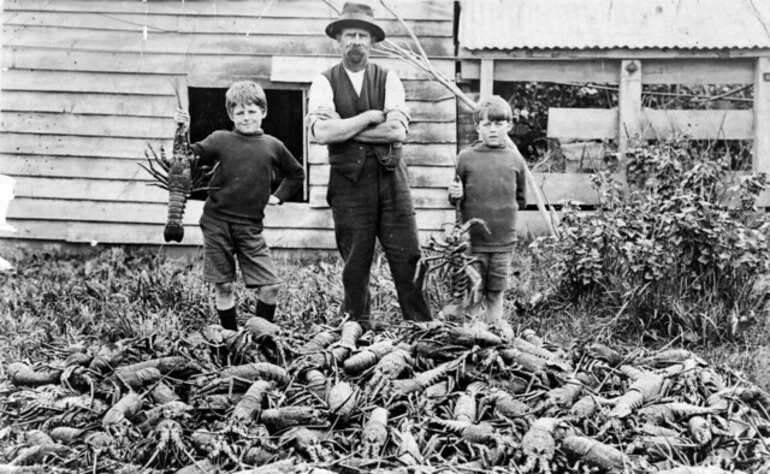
<point x="265" y="311"/>
<point x="228" y="318"/>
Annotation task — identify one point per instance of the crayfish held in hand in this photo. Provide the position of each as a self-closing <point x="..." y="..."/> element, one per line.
<point x="181" y="175"/>
<point x="455" y="267"/>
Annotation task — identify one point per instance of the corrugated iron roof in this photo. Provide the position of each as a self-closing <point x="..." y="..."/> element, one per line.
<point x="607" y="24"/>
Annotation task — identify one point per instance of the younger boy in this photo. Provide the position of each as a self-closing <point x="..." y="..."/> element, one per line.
<point x="491" y="186"/>
<point x="233" y="213"/>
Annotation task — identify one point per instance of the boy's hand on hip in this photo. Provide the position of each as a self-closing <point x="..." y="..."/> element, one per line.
<point x="181" y="117"/>
<point x="273" y="201"/>
<point x="456" y="190"/>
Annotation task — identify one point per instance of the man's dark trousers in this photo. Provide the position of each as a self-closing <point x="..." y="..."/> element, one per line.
<point x="378" y="205"/>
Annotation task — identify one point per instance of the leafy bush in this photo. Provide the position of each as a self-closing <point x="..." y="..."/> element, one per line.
<point x="678" y="246"/>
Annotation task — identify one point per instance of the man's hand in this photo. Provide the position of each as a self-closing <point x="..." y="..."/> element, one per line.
<point x="273" y="201"/>
<point x="181" y="117"/>
<point x="375" y="117"/>
<point x="456" y="189"/>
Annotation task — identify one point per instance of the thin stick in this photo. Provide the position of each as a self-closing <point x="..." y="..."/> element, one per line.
<point x="423" y="63"/>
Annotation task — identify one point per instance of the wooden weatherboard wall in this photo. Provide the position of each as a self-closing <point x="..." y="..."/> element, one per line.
<point x="87" y="84"/>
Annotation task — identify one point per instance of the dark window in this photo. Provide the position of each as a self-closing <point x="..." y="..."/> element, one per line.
<point x="283" y="121"/>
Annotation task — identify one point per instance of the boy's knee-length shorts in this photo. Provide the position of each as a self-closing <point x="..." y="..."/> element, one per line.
<point x="223" y="241"/>
<point x="494" y="269"/>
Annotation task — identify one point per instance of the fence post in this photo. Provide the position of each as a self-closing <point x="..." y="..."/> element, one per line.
<point x="761" y="162"/>
<point x="487" y="77"/>
<point x="629" y="105"/>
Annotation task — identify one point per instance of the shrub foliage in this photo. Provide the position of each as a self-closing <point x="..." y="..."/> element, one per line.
<point x="679" y="245"/>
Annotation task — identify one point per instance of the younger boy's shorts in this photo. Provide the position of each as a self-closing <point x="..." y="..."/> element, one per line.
<point x="494" y="269"/>
<point x="223" y="241"/>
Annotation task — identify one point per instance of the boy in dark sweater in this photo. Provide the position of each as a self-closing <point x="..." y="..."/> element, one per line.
<point x="232" y="216"/>
<point x="491" y="186"/>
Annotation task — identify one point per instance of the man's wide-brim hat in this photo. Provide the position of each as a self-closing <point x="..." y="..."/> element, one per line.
<point x="356" y="15"/>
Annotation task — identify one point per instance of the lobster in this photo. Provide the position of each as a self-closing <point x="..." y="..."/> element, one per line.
<point x="182" y="176"/>
<point x="450" y="259"/>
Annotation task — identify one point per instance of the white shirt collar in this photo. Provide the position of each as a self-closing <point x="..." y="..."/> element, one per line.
<point x="356" y="78"/>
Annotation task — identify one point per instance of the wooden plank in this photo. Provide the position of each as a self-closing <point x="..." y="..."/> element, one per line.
<point x="203" y="70"/>
<point x="88" y="125"/>
<point x="297" y="68"/>
<point x="430" y="91"/>
<point x="419" y="176"/>
<point x="556" y="187"/>
<point x="414" y="154"/>
<point x="428" y="111"/>
<point x="70" y="81"/>
<point x="529" y="223"/>
<point x="160" y="128"/>
<point x="422" y="198"/>
<point x="582" y="124"/>
<point x="612" y="54"/>
<point x="589" y="124"/>
<point x="430" y="132"/>
<point x="287" y="216"/>
<point x="51" y="166"/>
<point x="698" y="124"/>
<point x="244" y="65"/>
<point x="172" y="42"/>
<point x="761" y="118"/>
<point x="156" y="85"/>
<point x="698" y="71"/>
<point x="523" y="70"/>
<point x="654" y="71"/>
<point x="407" y="9"/>
<point x="96" y="233"/>
<point x="98" y="211"/>
<point x="585" y="156"/>
<point x="629" y="105"/>
<point x="66" y="145"/>
<point x="486" y="77"/>
<point x="205" y="24"/>
<point x="88" y="189"/>
<point x="88" y="104"/>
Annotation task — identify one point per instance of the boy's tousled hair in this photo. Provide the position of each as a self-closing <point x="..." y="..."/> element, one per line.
<point x="492" y="108"/>
<point x="243" y="93"/>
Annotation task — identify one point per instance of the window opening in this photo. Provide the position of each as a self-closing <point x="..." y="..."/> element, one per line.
<point x="283" y="121"/>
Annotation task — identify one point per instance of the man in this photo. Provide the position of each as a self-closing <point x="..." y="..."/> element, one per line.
<point x="358" y="109"/>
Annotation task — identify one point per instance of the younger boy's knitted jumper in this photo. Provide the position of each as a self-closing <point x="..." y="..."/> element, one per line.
<point x="494" y="189"/>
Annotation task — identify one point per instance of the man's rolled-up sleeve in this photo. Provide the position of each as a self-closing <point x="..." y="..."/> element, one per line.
<point x="320" y="103"/>
<point x="395" y="100"/>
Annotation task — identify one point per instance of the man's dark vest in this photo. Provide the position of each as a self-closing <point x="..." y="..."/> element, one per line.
<point x="347" y="158"/>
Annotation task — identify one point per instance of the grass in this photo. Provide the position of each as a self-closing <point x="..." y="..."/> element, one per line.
<point x="56" y="299"/>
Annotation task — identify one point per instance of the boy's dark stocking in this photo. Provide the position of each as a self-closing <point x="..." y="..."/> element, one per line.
<point x="265" y="311"/>
<point x="228" y="318"/>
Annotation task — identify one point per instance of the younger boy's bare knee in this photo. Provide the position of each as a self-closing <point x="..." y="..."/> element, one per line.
<point x="269" y="293"/>
<point x="224" y="289"/>
<point x="225" y="295"/>
<point x="494" y="312"/>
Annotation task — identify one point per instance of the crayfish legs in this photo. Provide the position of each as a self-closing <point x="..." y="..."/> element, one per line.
<point x="646" y="387"/>
<point x="423" y="380"/>
<point x="594" y="453"/>
<point x="375" y="433"/>
<point x="538" y="445"/>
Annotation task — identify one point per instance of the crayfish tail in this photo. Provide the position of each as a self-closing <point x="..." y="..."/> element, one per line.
<point x="173" y="232"/>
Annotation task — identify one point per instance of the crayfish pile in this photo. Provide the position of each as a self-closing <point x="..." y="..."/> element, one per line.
<point x="435" y="397"/>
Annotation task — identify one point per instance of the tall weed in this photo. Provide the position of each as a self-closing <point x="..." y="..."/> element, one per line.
<point x="678" y="246"/>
